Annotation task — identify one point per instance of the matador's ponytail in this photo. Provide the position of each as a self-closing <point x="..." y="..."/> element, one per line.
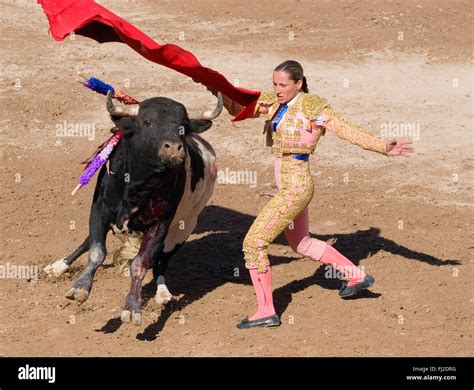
<point x="304" y="87"/>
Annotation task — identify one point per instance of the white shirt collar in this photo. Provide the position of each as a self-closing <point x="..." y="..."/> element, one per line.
<point x="292" y="101"/>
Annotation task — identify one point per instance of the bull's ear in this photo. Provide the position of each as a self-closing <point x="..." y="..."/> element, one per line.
<point x="199" y="125"/>
<point x="124" y="123"/>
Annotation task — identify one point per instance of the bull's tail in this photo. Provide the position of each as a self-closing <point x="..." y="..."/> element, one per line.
<point x="129" y="249"/>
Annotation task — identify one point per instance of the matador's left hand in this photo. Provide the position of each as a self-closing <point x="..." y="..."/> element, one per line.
<point x="399" y="148"/>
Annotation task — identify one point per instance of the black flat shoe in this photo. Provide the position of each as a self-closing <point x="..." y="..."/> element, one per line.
<point x="347" y="291"/>
<point x="262" y="322"/>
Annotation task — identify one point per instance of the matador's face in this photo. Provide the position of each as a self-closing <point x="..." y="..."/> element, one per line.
<point x="284" y="87"/>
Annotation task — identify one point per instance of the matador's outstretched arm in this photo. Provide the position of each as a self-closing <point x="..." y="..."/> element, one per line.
<point x="332" y="121"/>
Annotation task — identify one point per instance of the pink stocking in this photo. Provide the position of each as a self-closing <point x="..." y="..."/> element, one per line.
<point x="262" y="282"/>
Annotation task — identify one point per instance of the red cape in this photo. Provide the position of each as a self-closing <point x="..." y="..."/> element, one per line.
<point x="87" y="18"/>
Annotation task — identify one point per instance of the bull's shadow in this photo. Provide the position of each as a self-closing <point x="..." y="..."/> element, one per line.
<point x="204" y="264"/>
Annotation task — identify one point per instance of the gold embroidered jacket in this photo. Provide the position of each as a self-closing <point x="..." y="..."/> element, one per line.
<point x="305" y="121"/>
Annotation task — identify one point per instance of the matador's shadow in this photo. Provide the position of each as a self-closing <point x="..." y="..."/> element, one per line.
<point x="216" y="258"/>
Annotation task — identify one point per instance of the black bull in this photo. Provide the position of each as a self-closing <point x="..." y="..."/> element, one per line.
<point x="161" y="176"/>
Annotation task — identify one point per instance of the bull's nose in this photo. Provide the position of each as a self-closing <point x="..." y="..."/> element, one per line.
<point x="172" y="152"/>
<point x="174" y="147"/>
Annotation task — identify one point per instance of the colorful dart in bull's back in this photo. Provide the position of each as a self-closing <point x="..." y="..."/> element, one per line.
<point x="102" y="153"/>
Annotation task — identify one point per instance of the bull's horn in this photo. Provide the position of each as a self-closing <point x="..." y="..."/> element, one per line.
<point x="211" y="114"/>
<point x="116" y="110"/>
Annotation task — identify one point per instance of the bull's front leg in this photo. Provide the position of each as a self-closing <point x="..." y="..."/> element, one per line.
<point x="98" y="226"/>
<point x="152" y="242"/>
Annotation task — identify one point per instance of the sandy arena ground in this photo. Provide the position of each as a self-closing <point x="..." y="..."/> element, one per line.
<point x="408" y="221"/>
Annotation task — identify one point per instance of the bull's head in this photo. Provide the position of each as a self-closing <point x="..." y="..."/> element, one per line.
<point x="157" y="128"/>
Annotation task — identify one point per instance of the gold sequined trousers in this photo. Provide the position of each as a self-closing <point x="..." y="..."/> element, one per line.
<point x="293" y="197"/>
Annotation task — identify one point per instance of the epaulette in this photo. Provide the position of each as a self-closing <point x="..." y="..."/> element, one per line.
<point x="313" y="105"/>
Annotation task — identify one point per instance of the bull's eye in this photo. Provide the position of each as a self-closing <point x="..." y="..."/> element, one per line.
<point x="146" y="122"/>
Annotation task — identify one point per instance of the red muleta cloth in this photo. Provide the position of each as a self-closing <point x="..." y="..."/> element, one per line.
<point x="89" y="19"/>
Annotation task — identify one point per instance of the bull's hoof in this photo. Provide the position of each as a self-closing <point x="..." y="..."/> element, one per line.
<point x="135" y="318"/>
<point x="79" y="295"/>
<point x="163" y="296"/>
<point x="57" y="268"/>
<point x="132" y="310"/>
<point x="126" y="316"/>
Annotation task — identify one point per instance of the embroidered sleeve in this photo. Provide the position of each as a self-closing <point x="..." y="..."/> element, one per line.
<point x="265" y="101"/>
<point x="356" y="135"/>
